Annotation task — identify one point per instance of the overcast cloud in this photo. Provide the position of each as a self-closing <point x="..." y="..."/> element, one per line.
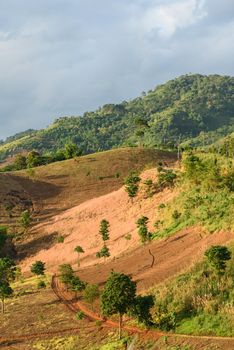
<point x="63" y="57"/>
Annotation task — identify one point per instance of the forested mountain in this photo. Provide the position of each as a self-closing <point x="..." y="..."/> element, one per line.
<point x="172" y="113"/>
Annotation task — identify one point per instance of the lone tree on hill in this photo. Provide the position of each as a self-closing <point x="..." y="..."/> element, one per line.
<point x="104" y="230"/>
<point x="7" y="274"/>
<point x="131" y="183"/>
<point x="217" y="257"/>
<point x="25" y="219"/>
<point x="38" y="268"/>
<point x="144" y="233"/>
<point x="79" y="250"/>
<point x="118" y="296"/>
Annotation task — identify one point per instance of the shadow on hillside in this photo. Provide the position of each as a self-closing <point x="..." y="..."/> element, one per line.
<point x="37" y="189"/>
<point x="28" y="249"/>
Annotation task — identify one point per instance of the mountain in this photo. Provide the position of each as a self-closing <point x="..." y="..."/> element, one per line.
<point x="174" y="112"/>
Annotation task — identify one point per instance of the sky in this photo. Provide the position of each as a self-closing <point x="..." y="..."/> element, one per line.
<point x="64" y="57"/>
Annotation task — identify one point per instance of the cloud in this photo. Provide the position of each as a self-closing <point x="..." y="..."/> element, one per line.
<point x="168" y="18"/>
<point x="63" y="57"/>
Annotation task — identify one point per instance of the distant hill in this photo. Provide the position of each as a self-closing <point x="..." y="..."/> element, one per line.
<point x="172" y="113"/>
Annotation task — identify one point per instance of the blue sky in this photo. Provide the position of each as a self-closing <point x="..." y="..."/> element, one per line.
<point x="64" y="57"/>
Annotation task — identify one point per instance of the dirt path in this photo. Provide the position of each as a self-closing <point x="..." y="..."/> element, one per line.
<point x="66" y="297"/>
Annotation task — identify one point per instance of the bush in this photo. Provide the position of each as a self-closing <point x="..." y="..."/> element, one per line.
<point x="41" y="285"/>
<point x="80" y="315"/>
<point x="60" y="239"/>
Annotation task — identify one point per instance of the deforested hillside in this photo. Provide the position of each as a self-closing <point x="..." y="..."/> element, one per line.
<point x="171" y="113"/>
<point x="50" y="189"/>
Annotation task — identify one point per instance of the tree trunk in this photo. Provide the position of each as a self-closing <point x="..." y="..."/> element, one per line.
<point x="153" y="258"/>
<point x="78" y="263"/>
<point x="120" y="325"/>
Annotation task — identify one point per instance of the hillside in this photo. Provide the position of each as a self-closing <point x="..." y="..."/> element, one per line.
<point x="48" y="190"/>
<point x="171" y="113"/>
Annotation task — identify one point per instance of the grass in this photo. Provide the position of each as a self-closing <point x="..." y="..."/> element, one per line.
<point x="203" y="200"/>
<point x="197" y="302"/>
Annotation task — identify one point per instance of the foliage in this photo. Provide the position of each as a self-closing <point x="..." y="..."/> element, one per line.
<point x="180" y="109"/>
<point x="131" y="184"/>
<point x="66" y="273"/>
<point x="143" y="231"/>
<point x="78" y="249"/>
<point x="205" y="196"/>
<point x="41" y="285"/>
<point x="60" y="239"/>
<point x="217" y="257"/>
<point x="104" y="252"/>
<point x="141" y="309"/>
<point x="199" y="301"/>
<point x="166" y="178"/>
<point x="80" y="315"/>
<point x="7" y="275"/>
<point x="104" y="230"/>
<point x="91" y="293"/>
<point x="25" y="219"/>
<point x="3" y="236"/>
<point x="38" y="268"/>
<point x="118" y="296"/>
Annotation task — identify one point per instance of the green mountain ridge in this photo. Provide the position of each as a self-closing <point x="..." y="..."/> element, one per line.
<point x="175" y="112"/>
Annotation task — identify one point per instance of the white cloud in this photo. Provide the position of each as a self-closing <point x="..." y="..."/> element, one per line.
<point x="166" y="19"/>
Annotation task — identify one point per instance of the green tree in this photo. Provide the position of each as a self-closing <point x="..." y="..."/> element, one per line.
<point x="20" y="162"/>
<point x="104" y="230"/>
<point x="33" y="159"/>
<point x="76" y="284"/>
<point x="79" y="250"/>
<point x="5" y="292"/>
<point x="131" y="183"/>
<point x="217" y="257"/>
<point x="72" y="151"/>
<point x="144" y="233"/>
<point x="141" y="309"/>
<point x="91" y="293"/>
<point x="66" y="273"/>
<point x="38" y="268"/>
<point x="103" y="253"/>
<point x="25" y="219"/>
<point x="118" y="296"/>
<point x="7" y="274"/>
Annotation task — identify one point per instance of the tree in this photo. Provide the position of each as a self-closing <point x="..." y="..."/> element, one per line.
<point x="118" y="296"/>
<point x="72" y="151"/>
<point x="131" y="183"/>
<point x="91" y="293"/>
<point x="5" y="292"/>
<point x="66" y="273"/>
<point x="144" y="233"/>
<point x="78" y="250"/>
<point x="38" y="268"/>
<point x="20" y="162"/>
<point x="104" y="252"/>
<point x="25" y="219"/>
<point x="7" y="274"/>
<point x="104" y="230"/>
<point x="76" y="284"/>
<point x="141" y="309"/>
<point x="33" y="159"/>
<point x="217" y="257"/>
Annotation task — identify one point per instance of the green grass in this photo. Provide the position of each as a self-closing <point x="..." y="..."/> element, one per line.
<point x="197" y="302"/>
<point x="204" y="200"/>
